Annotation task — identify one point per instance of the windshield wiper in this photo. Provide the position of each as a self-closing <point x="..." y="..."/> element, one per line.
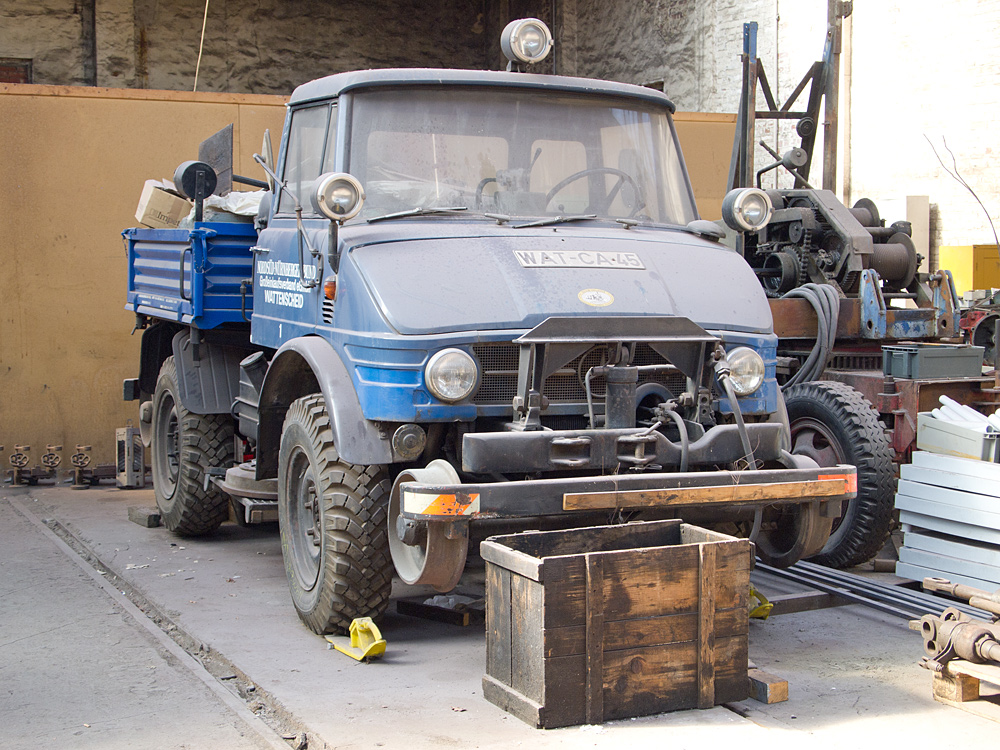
<point x="554" y="220"/>
<point x="418" y="212"/>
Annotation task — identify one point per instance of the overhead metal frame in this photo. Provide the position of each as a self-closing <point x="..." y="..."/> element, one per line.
<point x="822" y="80"/>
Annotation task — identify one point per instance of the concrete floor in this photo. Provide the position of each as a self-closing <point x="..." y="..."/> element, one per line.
<point x="70" y="651"/>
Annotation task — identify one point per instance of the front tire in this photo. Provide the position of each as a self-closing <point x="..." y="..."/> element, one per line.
<point x="183" y="446"/>
<point x="833" y="423"/>
<point x="333" y="520"/>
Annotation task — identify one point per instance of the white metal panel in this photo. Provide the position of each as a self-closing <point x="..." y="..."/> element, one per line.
<point x="918" y="573"/>
<point x="985" y="554"/>
<point x="989" y="504"/>
<point x="972" y="467"/>
<point x="927" y="516"/>
<point x="948" y="566"/>
<point x="938" y="478"/>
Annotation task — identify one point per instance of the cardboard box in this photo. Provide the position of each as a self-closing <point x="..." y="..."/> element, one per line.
<point x="159" y="207"/>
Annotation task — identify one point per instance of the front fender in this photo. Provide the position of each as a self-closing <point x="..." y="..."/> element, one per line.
<point x="304" y="366"/>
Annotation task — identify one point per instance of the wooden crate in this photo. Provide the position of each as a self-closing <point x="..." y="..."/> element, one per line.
<point x="611" y="622"/>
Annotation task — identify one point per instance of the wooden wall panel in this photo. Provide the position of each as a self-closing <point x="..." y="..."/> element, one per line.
<point x="75" y="160"/>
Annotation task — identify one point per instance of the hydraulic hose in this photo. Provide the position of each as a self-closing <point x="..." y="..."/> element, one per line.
<point x="825" y="301"/>
<point x="727" y="384"/>
<point x="685" y="442"/>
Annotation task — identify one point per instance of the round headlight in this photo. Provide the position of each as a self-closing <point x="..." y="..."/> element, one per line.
<point x="746" y="370"/>
<point x="746" y="209"/>
<point x="526" y="40"/>
<point x="338" y="196"/>
<point x="451" y="374"/>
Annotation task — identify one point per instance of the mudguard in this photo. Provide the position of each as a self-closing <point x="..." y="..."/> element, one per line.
<point x="210" y="383"/>
<point x="307" y="365"/>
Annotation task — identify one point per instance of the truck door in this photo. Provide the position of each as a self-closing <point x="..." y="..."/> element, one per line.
<point x="288" y="279"/>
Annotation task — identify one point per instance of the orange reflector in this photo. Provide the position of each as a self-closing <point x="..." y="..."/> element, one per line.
<point x="330" y="288"/>
<point x="850" y="480"/>
<point x="448" y="505"/>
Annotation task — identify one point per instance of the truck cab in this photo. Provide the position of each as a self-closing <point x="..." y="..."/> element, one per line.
<point x="482" y="299"/>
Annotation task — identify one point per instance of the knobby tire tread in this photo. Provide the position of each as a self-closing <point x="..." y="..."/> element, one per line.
<point x="868" y="519"/>
<point x="356" y="567"/>
<point x="206" y="442"/>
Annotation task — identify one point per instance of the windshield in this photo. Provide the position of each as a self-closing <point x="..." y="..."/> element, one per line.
<point x="522" y="153"/>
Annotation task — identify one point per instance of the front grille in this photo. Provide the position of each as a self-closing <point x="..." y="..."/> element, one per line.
<point x="499" y="361"/>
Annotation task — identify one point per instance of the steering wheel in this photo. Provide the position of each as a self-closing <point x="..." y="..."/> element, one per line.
<point x="623" y="177"/>
<point x="479" y="190"/>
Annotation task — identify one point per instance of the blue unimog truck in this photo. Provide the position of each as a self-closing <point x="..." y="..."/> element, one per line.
<point x="472" y="300"/>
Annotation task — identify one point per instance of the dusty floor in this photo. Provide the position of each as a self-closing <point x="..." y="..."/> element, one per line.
<point x="71" y="654"/>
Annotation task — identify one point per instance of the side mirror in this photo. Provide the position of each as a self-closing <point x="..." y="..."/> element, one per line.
<point x="268" y="153"/>
<point x="263" y="211"/>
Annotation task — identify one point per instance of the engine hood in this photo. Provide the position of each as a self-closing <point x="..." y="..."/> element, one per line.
<point x="515" y="279"/>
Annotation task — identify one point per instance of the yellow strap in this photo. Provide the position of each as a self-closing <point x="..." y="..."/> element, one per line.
<point x="763" y="607"/>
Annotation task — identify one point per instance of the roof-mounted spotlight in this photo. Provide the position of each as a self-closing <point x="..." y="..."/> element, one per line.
<point x="525" y="41"/>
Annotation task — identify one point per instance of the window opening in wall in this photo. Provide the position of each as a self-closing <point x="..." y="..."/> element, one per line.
<point x="15" y="70"/>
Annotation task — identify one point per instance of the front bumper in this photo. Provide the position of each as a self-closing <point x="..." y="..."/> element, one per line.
<point x="600" y="450"/>
<point x="541" y="497"/>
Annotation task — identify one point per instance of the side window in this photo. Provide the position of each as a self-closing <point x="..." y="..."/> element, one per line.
<point x="303" y="161"/>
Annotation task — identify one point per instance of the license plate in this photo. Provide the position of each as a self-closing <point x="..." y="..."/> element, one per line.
<point x="577" y="259"/>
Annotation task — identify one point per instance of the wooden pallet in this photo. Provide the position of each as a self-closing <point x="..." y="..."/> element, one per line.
<point x="972" y="687"/>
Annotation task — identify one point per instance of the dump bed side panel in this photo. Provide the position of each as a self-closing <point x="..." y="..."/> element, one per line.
<point x="191" y="276"/>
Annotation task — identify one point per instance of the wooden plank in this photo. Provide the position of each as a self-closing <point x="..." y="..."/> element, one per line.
<point x="520" y="563"/>
<point x="610" y="538"/>
<point x="986" y="672"/>
<point x="647" y="631"/>
<point x="415" y="607"/>
<point x="527" y="676"/>
<point x="498" y="631"/>
<point x="766" y="688"/>
<point x="595" y="639"/>
<point x="706" y="625"/>
<point x="664" y="678"/>
<point x="528" y="711"/>
<point x="100" y="92"/>
<point x="695" y="534"/>
<point x="955" y="688"/>
<point x="684" y="496"/>
<point x="646" y="583"/>
<point x="805" y="601"/>
<point x="565" y="691"/>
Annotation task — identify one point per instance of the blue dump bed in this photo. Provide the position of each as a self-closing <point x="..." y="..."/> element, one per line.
<point x="192" y="276"/>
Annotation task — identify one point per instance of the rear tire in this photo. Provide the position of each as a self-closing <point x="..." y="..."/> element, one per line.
<point x="333" y="520"/>
<point x="833" y="423"/>
<point x="183" y="446"/>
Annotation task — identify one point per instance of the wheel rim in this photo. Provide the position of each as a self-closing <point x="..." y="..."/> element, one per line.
<point x="812" y="438"/>
<point x="305" y="521"/>
<point x="438" y="561"/>
<point x="168" y="444"/>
